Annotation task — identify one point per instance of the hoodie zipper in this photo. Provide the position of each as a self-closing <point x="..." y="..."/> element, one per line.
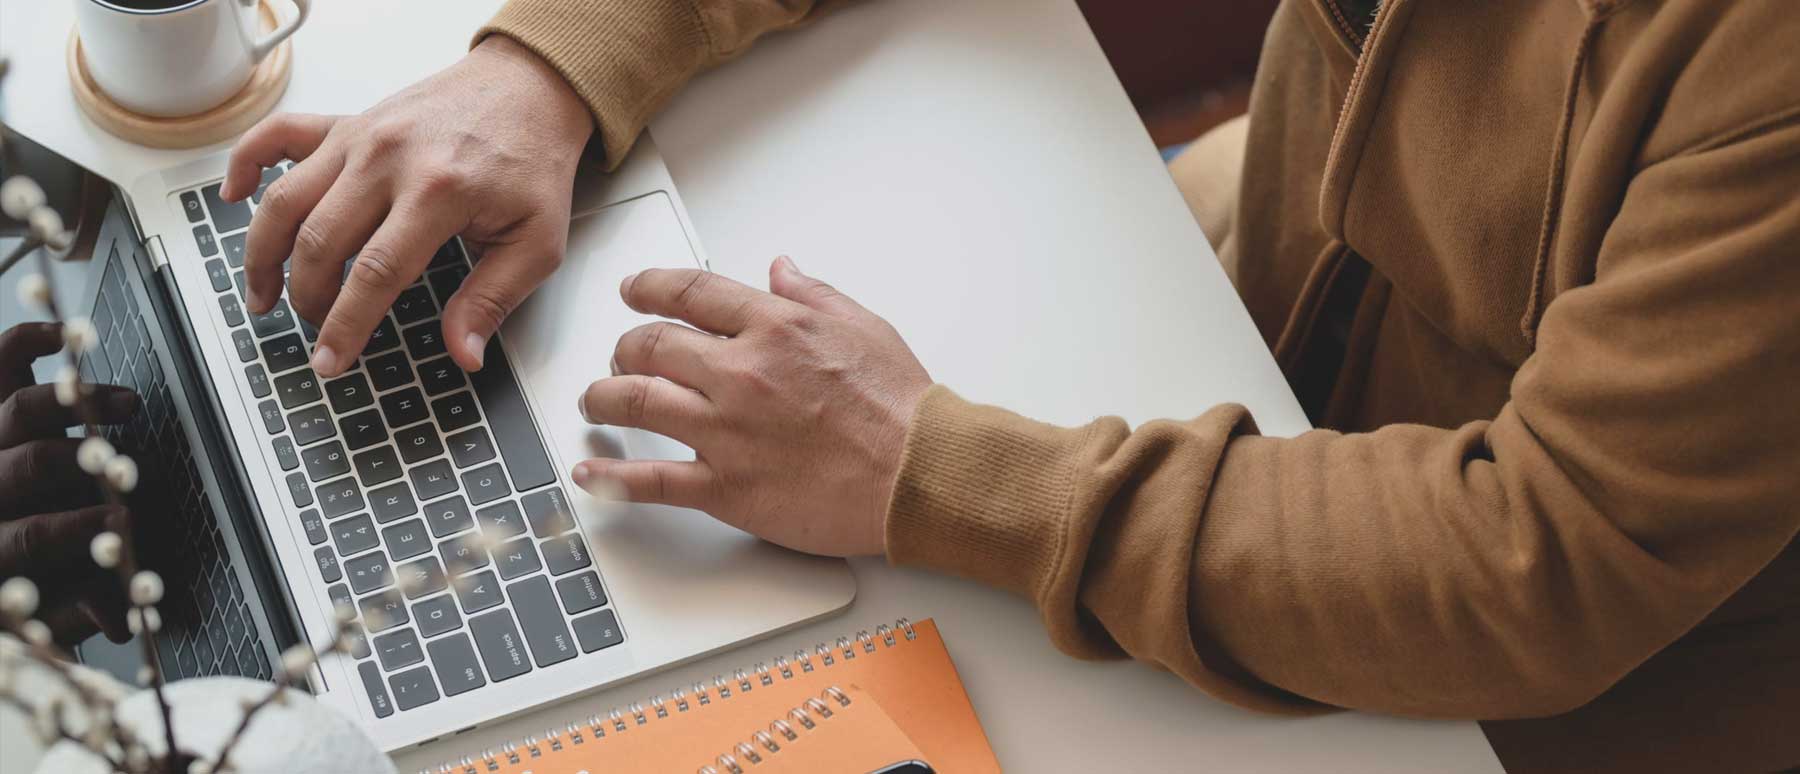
<point x="1345" y="28"/>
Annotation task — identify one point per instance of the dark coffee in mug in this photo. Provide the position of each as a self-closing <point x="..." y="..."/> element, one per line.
<point x="148" y="5"/>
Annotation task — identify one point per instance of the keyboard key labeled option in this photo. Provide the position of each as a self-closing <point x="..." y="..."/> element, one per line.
<point x="390" y="370"/>
<point x="454" y="661"/>
<point x="326" y="460"/>
<point x="392" y="502"/>
<point x="422" y="578"/>
<point x="440" y="376"/>
<point x="340" y="497"/>
<point x="419" y="442"/>
<point x="463" y="553"/>
<point x="581" y="593"/>
<point x="406" y="539"/>
<point x="433" y="479"/>
<point x="501" y="521"/>
<point x="502" y="651"/>
<point x="354" y="536"/>
<point x="471" y="447"/>
<point x="284" y="353"/>
<point x="363" y="429"/>
<point x="297" y="388"/>
<point x="477" y="592"/>
<point x="311" y="424"/>
<point x="382" y="339"/>
<point x="516" y="558"/>
<point x="382" y="611"/>
<point x="455" y="411"/>
<point x="349" y="393"/>
<point x="413" y="688"/>
<point x="565" y="554"/>
<point x="377" y="691"/>
<point x="542" y="621"/>
<point x="597" y="631"/>
<point x="399" y="649"/>
<point x="448" y="516"/>
<point x="436" y="615"/>
<point x="404" y="407"/>
<point x="485" y="484"/>
<point x="549" y="512"/>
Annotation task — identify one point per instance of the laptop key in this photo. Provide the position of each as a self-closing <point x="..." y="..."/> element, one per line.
<point x="398" y="649"/>
<point x="477" y="592"/>
<point x="283" y="353"/>
<point x="471" y="447"/>
<point x="510" y="419"/>
<point x="244" y="344"/>
<point x="501" y="649"/>
<point x="392" y="502"/>
<point x="314" y="525"/>
<point x="311" y="425"/>
<point x="279" y="319"/>
<point x="417" y="443"/>
<point x="377" y="691"/>
<point x="549" y="512"/>
<point x="297" y="388"/>
<point x="404" y="407"/>
<point x="355" y="535"/>
<point x="359" y="640"/>
<point x="340" y="497"/>
<point x="271" y="416"/>
<point x="444" y="282"/>
<point x="516" y="559"/>
<point x="228" y="216"/>
<point x="413" y="688"/>
<point x="390" y="370"/>
<point x="463" y="553"/>
<point x="423" y="578"/>
<point x="455" y="411"/>
<point x="285" y="456"/>
<point x="258" y="380"/>
<point x="216" y="273"/>
<point x="581" y="593"/>
<point x="190" y="204"/>
<point x="406" y="539"/>
<point x="349" y="393"/>
<point x="450" y="254"/>
<point x="454" y="661"/>
<point x="448" y="516"/>
<point x="234" y="250"/>
<point x="425" y="340"/>
<point x="433" y="479"/>
<point x="414" y="304"/>
<point x="363" y="429"/>
<point x="329" y="569"/>
<point x="382" y="339"/>
<point x="545" y="632"/>
<point x="233" y="311"/>
<point x="441" y="375"/>
<point x="326" y="460"/>
<point x="501" y="520"/>
<point x="566" y="554"/>
<point x="597" y="631"/>
<point x="377" y="465"/>
<point x="340" y="595"/>
<point x="269" y="176"/>
<point x="436" y="615"/>
<point x="386" y="608"/>
<point x="485" y="484"/>
<point x="307" y="329"/>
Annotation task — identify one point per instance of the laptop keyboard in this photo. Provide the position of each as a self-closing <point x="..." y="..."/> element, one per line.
<point x="394" y="467"/>
<point x="208" y="629"/>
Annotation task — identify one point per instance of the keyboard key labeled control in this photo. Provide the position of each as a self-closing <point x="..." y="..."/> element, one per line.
<point x="311" y="425"/>
<point x="387" y="608"/>
<point x="440" y="376"/>
<point x="420" y="442"/>
<point x="516" y="558"/>
<point x="399" y="649"/>
<point x="508" y="417"/>
<point x="377" y="691"/>
<point x="404" y="407"/>
<point x="297" y="388"/>
<point x="326" y="461"/>
<point x="279" y="319"/>
<point x="355" y="535"/>
<point x="245" y="344"/>
<point x="234" y="250"/>
<point x="454" y="661"/>
<point x="436" y="615"/>
<point x="485" y="484"/>
<point x="190" y="206"/>
<point x="285" y="456"/>
<point x="377" y="466"/>
<point x="413" y="688"/>
<point x="549" y="512"/>
<point x="392" y="502"/>
<point x="228" y="216"/>
<point x="471" y="447"/>
<point x="477" y="592"/>
<point x="580" y="593"/>
<point x="597" y="631"/>
<point x="422" y="578"/>
<point x="433" y="479"/>
<point x="363" y="429"/>
<point x="414" y="304"/>
<point x="502" y="651"/>
<point x="340" y="497"/>
<point x="448" y="516"/>
<point x="566" y="554"/>
<point x="284" y="353"/>
<point x="501" y="521"/>
<point x="349" y="393"/>
<point x="542" y="621"/>
<point x="314" y="524"/>
<point x="463" y="553"/>
<point x="382" y="339"/>
<point x="257" y="377"/>
<point x="406" y="539"/>
<point x="390" y="370"/>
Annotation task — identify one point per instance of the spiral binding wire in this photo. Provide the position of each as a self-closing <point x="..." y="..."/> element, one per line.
<point x="691" y="699"/>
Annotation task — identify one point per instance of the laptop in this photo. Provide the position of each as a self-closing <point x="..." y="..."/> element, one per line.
<point x="272" y="496"/>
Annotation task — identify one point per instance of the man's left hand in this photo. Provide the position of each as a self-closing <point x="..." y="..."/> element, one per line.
<point x="795" y="402"/>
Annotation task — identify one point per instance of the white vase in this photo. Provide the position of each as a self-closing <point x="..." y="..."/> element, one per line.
<point x="298" y="736"/>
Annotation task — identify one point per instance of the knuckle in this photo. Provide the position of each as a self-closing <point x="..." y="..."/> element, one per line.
<point x="443" y="181"/>
<point x="648" y="339"/>
<point x="384" y="136"/>
<point x="692" y="288"/>
<point x="311" y="241"/>
<point x="637" y="399"/>
<point x="278" y="201"/>
<point x="379" y="268"/>
<point x="487" y="302"/>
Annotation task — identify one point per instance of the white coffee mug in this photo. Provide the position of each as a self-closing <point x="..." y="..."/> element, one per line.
<point x="176" y="57"/>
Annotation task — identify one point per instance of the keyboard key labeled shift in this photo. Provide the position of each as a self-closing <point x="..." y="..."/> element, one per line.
<point x="597" y="631"/>
<point x="516" y="559"/>
<point x="413" y="688"/>
<point x="377" y="691"/>
<point x="581" y="593"/>
<point x="565" y="554"/>
<point x="454" y="661"/>
<point x="502" y="651"/>
<point x="485" y="484"/>
<point x="542" y="621"/>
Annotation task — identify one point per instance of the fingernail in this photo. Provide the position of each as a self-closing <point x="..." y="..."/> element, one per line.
<point x="581" y="476"/>
<point x="614" y="365"/>
<point x="477" y="344"/>
<point x="789" y="264"/>
<point x="581" y="408"/>
<point x="625" y="285"/>
<point x="324" y="360"/>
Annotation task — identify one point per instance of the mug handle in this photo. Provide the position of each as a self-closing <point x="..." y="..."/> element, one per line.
<point x="262" y="47"/>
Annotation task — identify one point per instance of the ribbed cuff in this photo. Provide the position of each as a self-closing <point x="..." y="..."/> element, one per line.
<point x="624" y="59"/>
<point x="983" y="493"/>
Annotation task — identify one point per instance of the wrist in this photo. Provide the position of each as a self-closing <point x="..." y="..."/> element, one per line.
<point x="549" y="96"/>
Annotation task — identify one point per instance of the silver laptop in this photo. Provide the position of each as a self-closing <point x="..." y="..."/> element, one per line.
<point x="273" y="495"/>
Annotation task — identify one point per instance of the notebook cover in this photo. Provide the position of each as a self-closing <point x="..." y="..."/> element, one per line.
<point x="855" y="738"/>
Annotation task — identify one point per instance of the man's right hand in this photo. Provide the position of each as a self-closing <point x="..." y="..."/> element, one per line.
<point x="487" y="148"/>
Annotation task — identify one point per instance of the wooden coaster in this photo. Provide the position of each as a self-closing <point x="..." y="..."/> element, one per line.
<point x="267" y="83"/>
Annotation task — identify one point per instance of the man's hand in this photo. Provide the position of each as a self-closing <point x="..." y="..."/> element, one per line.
<point x="487" y="149"/>
<point x="47" y="518"/>
<point x="796" y="406"/>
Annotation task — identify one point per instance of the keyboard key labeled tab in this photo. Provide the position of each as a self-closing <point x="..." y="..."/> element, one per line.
<point x="454" y="661"/>
<point x="565" y="554"/>
<point x="542" y="621"/>
<point x="581" y="593"/>
<point x="477" y="592"/>
<point x="471" y="447"/>
<point x="377" y="691"/>
<point x="501" y="649"/>
<point x="413" y="688"/>
<point x="597" y="631"/>
<point x="549" y="512"/>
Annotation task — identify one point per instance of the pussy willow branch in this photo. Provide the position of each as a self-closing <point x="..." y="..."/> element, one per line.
<point x="283" y="679"/>
<point x="54" y="659"/>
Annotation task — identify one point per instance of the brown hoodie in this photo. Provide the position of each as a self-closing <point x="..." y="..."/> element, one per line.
<point x="1536" y="267"/>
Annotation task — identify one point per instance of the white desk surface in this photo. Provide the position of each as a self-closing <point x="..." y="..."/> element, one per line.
<point x="974" y="172"/>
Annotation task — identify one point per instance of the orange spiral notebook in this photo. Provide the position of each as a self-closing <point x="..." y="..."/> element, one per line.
<point x="904" y="668"/>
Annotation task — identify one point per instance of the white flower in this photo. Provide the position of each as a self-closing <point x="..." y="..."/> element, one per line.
<point x="19" y="195"/>
<point x="106" y="548"/>
<point x="93" y="454"/>
<point x="410" y="583"/>
<point x="48" y="226"/>
<point x="344" y="612"/>
<point x="142" y="619"/>
<point x="297" y="660"/>
<point x="146" y="588"/>
<point x="68" y="386"/>
<point x="200" y="767"/>
<point x="36" y="632"/>
<point x="122" y="473"/>
<point x="375" y="619"/>
<point x="137" y="758"/>
<point x="18" y="597"/>
<point x="146" y="675"/>
<point x="34" y="290"/>
<point x="48" y="718"/>
<point x="79" y="335"/>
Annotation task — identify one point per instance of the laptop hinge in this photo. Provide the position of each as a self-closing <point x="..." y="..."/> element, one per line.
<point x="154" y="246"/>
